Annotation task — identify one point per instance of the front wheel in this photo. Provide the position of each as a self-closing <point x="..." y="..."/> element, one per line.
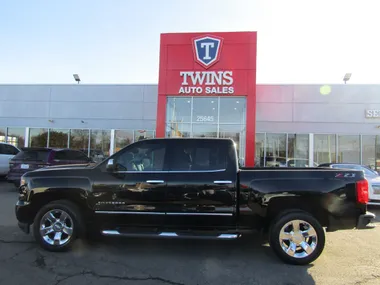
<point x="297" y="238"/>
<point x="57" y="225"/>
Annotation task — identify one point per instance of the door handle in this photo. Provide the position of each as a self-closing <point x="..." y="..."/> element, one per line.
<point x="155" y="181"/>
<point x="222" y="182"/>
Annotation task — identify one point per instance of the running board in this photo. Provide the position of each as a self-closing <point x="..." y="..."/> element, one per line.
<point x="169" y="235"/>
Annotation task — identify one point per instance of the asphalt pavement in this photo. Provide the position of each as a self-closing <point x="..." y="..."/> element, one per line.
<point x="350" y="257"/>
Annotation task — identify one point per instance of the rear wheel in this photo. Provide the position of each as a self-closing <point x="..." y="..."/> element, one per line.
<point x="297" y="238"/>
<point x="57" y="225"/>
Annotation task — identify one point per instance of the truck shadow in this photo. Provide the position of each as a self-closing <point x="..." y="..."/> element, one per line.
<point x="248" y="260"/>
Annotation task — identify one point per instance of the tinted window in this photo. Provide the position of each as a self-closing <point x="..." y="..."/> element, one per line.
<point x="142" y="156"/>
<point x="61" y="155"/>
<point x="198" y="155"/>
<point x="77" y="155"/>
<point x="33" y="155"/>
<point x="8" y="149"/>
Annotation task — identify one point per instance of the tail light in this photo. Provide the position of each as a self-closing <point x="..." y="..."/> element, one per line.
<point x="362" y="191"/>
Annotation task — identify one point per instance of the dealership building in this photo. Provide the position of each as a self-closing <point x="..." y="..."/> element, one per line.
<point x="207" y="88"/>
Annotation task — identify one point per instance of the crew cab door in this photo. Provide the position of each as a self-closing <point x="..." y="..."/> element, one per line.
<point x="201" y="184"/>
<point x="134" y="192"/>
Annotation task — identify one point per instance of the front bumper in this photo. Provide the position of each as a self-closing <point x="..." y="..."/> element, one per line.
<point x="23" y="211"/>
<point x="365" y="220"/>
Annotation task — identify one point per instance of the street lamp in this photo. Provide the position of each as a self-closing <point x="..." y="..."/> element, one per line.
<point x="76" y="77"/>
<point x="347" y="77"/>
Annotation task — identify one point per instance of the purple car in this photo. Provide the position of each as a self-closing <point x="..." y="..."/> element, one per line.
<point x="30" y="158"/>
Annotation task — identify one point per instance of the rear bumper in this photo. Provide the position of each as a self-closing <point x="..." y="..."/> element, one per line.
<point x="365" y="220"/>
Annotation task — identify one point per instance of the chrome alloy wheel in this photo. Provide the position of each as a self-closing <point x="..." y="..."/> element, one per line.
<point x="56" y="227"/>
<point x="298" y="239"/>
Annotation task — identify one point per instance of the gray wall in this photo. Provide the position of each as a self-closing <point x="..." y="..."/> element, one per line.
<point x="99" y="106"/>
<point x="280" y="108"/>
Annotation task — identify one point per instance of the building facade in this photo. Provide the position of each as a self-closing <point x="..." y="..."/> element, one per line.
<point x="316" y="123"/>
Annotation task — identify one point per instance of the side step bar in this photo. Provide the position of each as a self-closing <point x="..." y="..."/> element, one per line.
<point x="169" y="235"/>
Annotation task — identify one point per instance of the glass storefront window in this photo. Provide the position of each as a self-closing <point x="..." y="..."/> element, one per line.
<point x="324" y="148"/>
<point x="38" y="137"/>
<point x="298" y="150"/>
<point x="178" y="130"/>
<point x="123" y="138"/>
<point x="143" y="135"/>
<point x="232" y="110"/>
<point x="234" y="132"/>
<point x="58" y="138"/>
<point x="79" y="139"/>
<point x="178" y="110"/>
<point x="100" y="144"/>
<point x="205" y="110"/>
<point x="348" y="149"/>
<point x="205" y="131"/>
<point x="3" y="132"/>
<point x="371" y="151"/>
<point x="275" y="150"/>
<point x="259" y="149"/>
<point x="16" y="136"/>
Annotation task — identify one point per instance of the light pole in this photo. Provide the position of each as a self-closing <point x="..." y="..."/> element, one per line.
<point x="76" y="77"/>
<point x="347" y="77"/>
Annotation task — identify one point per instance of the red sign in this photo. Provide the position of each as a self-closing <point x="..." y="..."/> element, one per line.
<point x="209" y="64"/>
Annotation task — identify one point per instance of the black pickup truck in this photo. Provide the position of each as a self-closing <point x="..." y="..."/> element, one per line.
<point x="192" y="188"/>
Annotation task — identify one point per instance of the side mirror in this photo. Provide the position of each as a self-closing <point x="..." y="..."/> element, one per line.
<point x="111" y="166"/>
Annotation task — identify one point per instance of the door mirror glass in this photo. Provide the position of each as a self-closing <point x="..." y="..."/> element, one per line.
<point x="111" y="165"/>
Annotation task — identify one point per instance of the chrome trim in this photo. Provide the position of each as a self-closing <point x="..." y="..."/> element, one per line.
<point x="222" y="181"/>
<point x="129" y="213"/>
<point x="373" y="203"/>
<point x="155" y="181"/>
<point x="111" y="233"/>
<point x="197" y="214"/>
<point x="168" y="234"/>
<point x="228" y="236"/>
<point x="167" y="171"/>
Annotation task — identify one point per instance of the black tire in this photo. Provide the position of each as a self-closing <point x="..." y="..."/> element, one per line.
<point x="274" y="237"/>
<point x="78" y="226"/>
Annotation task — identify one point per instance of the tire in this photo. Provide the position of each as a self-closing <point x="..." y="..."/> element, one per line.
<point x="66" y="231"/>
<point x="295" y="248"/>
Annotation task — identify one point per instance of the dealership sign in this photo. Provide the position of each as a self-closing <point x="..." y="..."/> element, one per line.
<point x="372" y="113"/>
<point x="207" y="52"/>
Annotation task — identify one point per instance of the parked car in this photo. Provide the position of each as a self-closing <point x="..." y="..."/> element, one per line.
<point x="192" y="188"/>
<point x="371" y="175"/>
<point x="299" y="162"/>
<point x="32" y="158"/>
<point x="7" y="151"/>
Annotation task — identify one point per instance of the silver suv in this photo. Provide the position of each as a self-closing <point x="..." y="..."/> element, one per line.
<point x="7" y="151"/>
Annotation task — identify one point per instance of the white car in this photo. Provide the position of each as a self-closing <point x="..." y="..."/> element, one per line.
<point x="7" y="151"/>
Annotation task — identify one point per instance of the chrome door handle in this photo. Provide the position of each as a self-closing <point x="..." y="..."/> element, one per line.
<point x="155" y="181"/>
<point x="222" y="182"/>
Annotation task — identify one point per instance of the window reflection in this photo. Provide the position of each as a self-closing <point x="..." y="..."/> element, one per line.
<point x="259" y="149"/>
<point x="100" y="145"/>
<point x="58" y="138"/>
<point x="205" y="110"/>
<point x="143" y="135"/>
<point x="275" y="150"/>
<point x="178" y="110"/>
<point x="178" y="130"/>
<point x="324" y="148"/>
<point x="38" y="137"/>
<point x="16" y="137"/>
<point x="349" y="148"/>
<point x="123" y="138"/>
<point x="232" y="110"/>
<point x="79" y="139"/>
<point x="298" y="150"/>
<point x="371" y="151"/>
<point x="234" y="132"/>
<point x="205" y="131"/>
<point x="3" y="132"/>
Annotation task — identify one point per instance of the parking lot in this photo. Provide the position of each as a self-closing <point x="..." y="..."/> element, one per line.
<point x="350" y="257"/>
